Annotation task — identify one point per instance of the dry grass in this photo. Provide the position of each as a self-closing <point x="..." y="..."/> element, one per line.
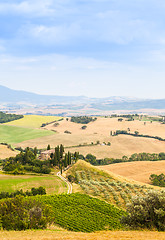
<point x="5" y="152"/>
<point x="100" y="131"/>
<point x="58" y="234"/>
<point x="138" y="171"/>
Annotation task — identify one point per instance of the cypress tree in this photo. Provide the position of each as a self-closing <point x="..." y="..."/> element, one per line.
<point x="68" y="160"/>
<point x="65" y="160"/>
<point x="76" y="154"/>
<point x="57" y="152"/>
<point x="55" y="162"/>
<point x="61" y="151"/>
<point x="35" y="151"/>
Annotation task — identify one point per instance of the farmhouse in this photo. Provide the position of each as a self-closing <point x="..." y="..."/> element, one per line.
<point x="45" y="155"/>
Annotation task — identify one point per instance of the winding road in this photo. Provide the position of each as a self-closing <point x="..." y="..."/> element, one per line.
<point x="68" y="183"/>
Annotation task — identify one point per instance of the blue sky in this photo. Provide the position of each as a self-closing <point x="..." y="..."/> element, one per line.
<point x="97" y="48"/>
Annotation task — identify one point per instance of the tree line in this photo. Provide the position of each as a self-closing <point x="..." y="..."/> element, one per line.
<point x="135" y="134"/>
<point x="83" y="119"/>
<point x="9" y="117"/>
<point x="134" y="157"/>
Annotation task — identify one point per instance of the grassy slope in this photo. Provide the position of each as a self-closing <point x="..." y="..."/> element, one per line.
<point x="53" y="184"/>
<point x="33" y="121"/>
<point x="58" y="234"/>
<point x="100" y="131"/>
<point x="12" y="134"/>
<point x="106" y="185"/>
<point x="138" y="171"/>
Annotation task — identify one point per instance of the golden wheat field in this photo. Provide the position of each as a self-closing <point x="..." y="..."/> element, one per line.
<point x="59" y="234"/>
<point x="138" y="171"/>
<point x="100" y="131"/>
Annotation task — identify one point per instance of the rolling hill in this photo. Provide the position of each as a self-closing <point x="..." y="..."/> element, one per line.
<point x="138" y="171"/>
<point x="81" y="140"/>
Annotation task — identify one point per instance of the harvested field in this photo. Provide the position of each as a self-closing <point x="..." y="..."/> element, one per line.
<point x="5" y="152"/>
<point x="59" y="234"/>
<point x="138" y="171"/>
<point x="120" y="145"/>
<point x="100" y="131"/>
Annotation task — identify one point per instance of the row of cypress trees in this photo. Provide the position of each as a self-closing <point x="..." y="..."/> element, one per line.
<point x="61" y="159"/>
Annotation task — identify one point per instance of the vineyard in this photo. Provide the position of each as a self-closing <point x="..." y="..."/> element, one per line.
<point x="82" y="213"/>
<point x="103" y="186"/>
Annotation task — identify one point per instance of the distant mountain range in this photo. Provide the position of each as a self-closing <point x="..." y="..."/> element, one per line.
<point x="8" y="95"/>
<point x="15" y="98"/>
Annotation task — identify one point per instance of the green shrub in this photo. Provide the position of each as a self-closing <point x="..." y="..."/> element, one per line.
<point x="21" y="213"/>
<point x="158" y="180"/>
<point x="147" y="212"/>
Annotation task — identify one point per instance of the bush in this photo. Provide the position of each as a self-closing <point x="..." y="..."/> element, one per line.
<point x="147" y="212"/>
<point x="32" y="192"/>
<point x="71" y="178"/>
<point x="68" y="132"/>
<point x="21" y="213"/>
<point x="91" y="158"/>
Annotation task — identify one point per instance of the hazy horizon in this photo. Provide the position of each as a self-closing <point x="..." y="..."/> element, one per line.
<point x="131" y="97"/>
<point x="97" y="48"/>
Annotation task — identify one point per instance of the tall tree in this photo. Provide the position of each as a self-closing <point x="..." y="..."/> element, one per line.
<point x="57" y="152"/>
<point x="35" y="151"/>
<point x="61" y="151"/>
<point x="65" y="160"/>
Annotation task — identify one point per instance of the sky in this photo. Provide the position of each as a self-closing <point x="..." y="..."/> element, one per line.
<point x="95" y="48"/>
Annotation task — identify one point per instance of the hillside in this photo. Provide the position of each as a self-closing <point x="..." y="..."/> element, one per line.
<point x="106" y="185"/>
<point x="138" y="171"/>
<point x="5" y="152"/>
<point x="100" y="131"/>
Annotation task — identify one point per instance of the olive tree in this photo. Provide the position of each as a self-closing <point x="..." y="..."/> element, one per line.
<point x="147" y="211"/>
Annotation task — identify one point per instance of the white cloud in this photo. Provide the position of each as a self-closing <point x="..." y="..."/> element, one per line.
<point x="52" y="34"/>
<point x="36" y="8"/>
<point x="65" y="75"/>
<point x="122" y="28"/>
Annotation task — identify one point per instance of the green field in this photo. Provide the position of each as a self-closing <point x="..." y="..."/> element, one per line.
<point x="12" y="134"/>
<point x="52" y="184"/>
<point x="33" y="121"/>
